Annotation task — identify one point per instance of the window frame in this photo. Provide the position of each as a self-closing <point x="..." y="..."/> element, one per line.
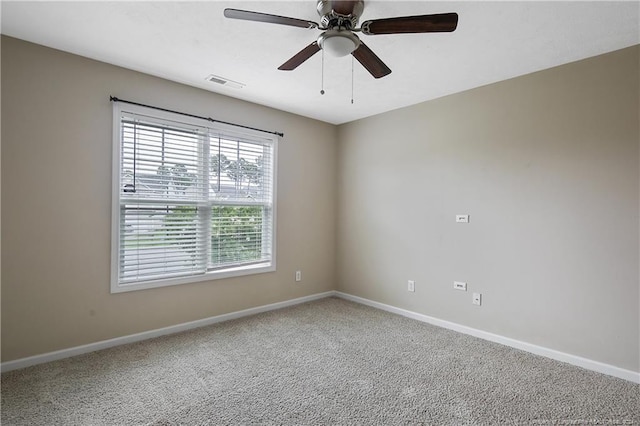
<point x="213" y="128"/>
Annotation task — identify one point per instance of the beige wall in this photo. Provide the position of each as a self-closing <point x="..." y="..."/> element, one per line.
<point x="547" y="167"/>
<point x="56" y="205"/>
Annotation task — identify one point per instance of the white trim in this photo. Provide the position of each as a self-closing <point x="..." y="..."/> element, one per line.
<point x="236" y="271"/>
<point x="132" y="338"/>
<point x="588" y="364"/>
<point x="115" y="197"/>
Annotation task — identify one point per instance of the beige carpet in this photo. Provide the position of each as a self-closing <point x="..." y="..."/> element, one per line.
<point x="326" y="362"/>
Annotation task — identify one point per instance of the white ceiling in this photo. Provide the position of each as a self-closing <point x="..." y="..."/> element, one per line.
<point x="187" y="41"/>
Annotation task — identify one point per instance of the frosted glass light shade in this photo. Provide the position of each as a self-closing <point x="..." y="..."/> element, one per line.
<point x="338" y="45"/>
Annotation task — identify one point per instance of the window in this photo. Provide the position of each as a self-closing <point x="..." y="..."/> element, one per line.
<point x="192" y="200"/>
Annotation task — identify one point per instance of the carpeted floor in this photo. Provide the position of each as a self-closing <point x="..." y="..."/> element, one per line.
<point x="322" y="363"/>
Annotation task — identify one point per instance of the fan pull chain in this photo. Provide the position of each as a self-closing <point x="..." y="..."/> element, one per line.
<point x="322" y="75"/>
<point x="351" y="79"/>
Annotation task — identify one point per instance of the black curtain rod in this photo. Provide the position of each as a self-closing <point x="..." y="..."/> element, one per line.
<point x="114" y="99"/>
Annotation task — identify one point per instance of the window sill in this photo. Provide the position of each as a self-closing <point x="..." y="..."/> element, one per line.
<point x="259" y="268"/>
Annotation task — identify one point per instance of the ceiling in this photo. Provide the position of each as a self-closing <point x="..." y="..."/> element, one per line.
<point x="187" y="41"/>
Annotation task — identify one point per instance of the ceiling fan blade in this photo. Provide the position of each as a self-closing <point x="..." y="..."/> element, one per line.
<point x="248" y="15"/>
<point x="443" y="22"/>
<point x="370" y="61"/>
<point x="300" y="57"/>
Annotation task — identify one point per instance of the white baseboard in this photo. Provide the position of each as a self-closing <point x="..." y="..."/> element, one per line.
<point x="588" y="364"/>
<point x="104" y="344"/>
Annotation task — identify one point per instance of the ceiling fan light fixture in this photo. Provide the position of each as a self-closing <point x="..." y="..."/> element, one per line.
<point x="338" y="43"/>
<point x="339" y="21"/>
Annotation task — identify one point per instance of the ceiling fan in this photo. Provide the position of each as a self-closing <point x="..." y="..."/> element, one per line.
<point x="339" y="21"/>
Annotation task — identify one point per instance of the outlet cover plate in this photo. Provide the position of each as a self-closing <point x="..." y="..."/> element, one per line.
<point x="460" y="285"/>
<point x="462" y="218"/>
<point x="477" y="299"/>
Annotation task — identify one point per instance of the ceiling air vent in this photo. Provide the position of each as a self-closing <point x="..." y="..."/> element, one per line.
<point x="224" y="81"/>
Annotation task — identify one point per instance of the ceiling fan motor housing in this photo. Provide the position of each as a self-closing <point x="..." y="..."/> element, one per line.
<point x="340" y="14"/>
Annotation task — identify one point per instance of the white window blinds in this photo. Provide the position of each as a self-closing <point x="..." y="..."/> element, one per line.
<point x="193" y="201"/>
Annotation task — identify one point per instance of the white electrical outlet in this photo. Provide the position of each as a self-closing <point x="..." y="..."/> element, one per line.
<point x="298" y="276"/>
<point x="462" y="218"/>
<point x="477" y="299"/>
<point x="460" y="285"/>
<point x="411" y="286"/>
